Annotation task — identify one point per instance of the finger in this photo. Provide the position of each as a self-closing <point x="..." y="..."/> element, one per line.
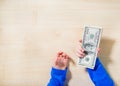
<point x="67" y="57"/>
<point x="80" y="56"/>
<point x="57" y="60"/>
<point x="80" y="40"/>
<point x="59" y="53"/>
<point x="80" y="48"/>
<point x="81" y="51"/>
<point x="63" y="55"/>
<point x="98" y="49"/>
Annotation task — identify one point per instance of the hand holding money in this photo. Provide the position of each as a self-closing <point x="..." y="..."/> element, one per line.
<point x="81" y="52"/>
<point x="90" y="43"/>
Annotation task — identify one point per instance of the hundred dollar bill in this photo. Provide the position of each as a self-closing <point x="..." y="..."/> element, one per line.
<point x="90" y="43"/>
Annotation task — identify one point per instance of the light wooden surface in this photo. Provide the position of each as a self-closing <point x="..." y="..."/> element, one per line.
<point x="32" y="31"/>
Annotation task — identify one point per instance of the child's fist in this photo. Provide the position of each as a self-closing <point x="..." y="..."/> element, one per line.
<point x="61" y="61"/>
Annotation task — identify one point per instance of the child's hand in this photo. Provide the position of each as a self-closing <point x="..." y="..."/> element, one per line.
<point x="80" y="51"/>
<point x="61" y="61"/>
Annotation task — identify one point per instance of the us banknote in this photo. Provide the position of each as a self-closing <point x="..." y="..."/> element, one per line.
<point x="90" y="43"/>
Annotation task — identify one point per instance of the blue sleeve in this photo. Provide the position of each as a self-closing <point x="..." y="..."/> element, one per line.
<point x="99" y="75"/>
<point x="57" y="77"/>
